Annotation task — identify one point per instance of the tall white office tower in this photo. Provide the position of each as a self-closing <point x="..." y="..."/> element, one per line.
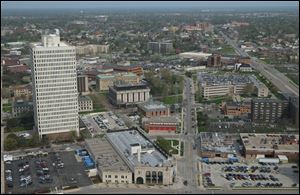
<point x="55" y="93"/>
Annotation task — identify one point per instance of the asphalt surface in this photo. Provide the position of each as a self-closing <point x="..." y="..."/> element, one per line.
<point x="187" y="166"/>
<point x="278" y="79"/>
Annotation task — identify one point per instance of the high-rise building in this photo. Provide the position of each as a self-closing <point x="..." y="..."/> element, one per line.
<point x="161" y="47"/>
<point x="55" y="93"/>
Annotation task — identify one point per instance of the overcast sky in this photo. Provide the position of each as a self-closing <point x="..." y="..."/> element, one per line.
<point x="143" y="4"/>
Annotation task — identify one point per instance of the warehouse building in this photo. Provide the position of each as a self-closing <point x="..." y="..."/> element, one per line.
<point x="270" y="145"/>
<point x="153" y="108"/>
<point x="216" y="144"/>
<point x="127" y="94"/>
<point x="111" y="168"/>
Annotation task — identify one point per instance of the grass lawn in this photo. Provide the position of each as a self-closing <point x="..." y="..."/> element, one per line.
<point x="98" y="101"/>
<point x="7" y="107"/>
<point x="227" y="50"/>
<point x="172" y="99"/>
<point x="167" y="146"/>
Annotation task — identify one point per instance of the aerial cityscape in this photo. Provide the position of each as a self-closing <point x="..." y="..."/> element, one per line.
<point x="149" y="97"/>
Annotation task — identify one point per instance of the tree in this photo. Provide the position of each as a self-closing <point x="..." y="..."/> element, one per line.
<point x="249" y="89"/>
<point x="11" y="142"/>
<point x="6" y="93"/>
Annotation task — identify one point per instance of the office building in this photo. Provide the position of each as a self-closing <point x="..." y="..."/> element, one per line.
<point x="127" y="94"/>
<point x="153" y="108"/>
<point x="220" y="85"/>
<point x="55" y="95"/>
<point x="160" y="47"/>
<point x="83" y="84"/>
<point x="269" y="110"/>
<point x="104" y="81"/>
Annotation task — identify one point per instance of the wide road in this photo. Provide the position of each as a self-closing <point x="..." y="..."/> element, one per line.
<point x="187" y="167"/>
<point x="274" y="76"/>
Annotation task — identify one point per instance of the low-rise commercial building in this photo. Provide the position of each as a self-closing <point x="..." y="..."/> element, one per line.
<point x="127" y="156"/>
<point x="269" y="110"/>
<point x="105" y="81"/>
<point x="22" y="91"/>
<point x="153" y="108"/>
<point x="85" y="104"/>
<point x="19" y="107"/>
<point x="166" y="124"/>
<point x="136" y="69"/>
<point x="271" y="145"/>
<point x="148" y="163"/>
<point x="91" y="49"/>
<point x="216" y="144"/>
<point x="127" y="94"/>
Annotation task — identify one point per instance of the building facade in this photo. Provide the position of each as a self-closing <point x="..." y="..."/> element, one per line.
<point x="126" y="94"/>
<point x="22" y="91"/>
<point x="160" y="47"/>
<point x="153" y="108"/>
<point x="237" y="109"/>
<point x="19" y="107"/>
<point x="85" y="104"/>
<point x="82" y="84"/>
<point x="214" y="60"/>
<point x="268" y="110"/>
<point x="166" y="124"/>
<point x="55" y="93"/>
<point x="103" y="82"/>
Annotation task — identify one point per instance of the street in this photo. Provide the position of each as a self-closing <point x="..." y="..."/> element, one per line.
<point x="274" y="76"/>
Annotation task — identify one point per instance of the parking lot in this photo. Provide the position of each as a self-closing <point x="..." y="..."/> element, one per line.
<point x="252" y="174"/>
<point x="99" y="123"/>
<point x="37" y="174"/>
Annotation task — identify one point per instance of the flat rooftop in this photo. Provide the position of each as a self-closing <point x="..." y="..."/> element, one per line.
<point x="283" y="142"/>
<point x="152" y="105"/>
<point x="124" y="141"/>
<point x="217" y="142"/>
<point x="105" y="156"/>
<point x="164" y="119"/>
<point x="126" y="86"/>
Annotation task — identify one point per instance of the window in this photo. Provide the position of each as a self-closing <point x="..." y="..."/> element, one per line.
<point x="116" y="176"/>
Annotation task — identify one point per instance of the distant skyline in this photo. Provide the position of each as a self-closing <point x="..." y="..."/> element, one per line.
<point x="142" y="4"/>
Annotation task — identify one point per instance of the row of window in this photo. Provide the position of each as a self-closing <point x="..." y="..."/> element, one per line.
<point x="59" y="64"/>
<point x="58" y="128"/>
<point x="58" y="92"/>
<point x="55" y="55"/>
<point x="56" y="85"/>
<point x="56" y="122"/>
<point x="61" y="98"/>
<point x="36" y="60"/>
<point x="54" y="68"/>
<point x="116" y="176"/>
<point x="54" y="51"/>
<point x="57" y="106"/>
<point x="68" y="88"/>
<point x="41" y="114"/>
<point x="51" y="119"/>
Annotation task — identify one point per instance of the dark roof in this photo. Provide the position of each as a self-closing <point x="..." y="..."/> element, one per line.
<point x="120" y="87"/>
